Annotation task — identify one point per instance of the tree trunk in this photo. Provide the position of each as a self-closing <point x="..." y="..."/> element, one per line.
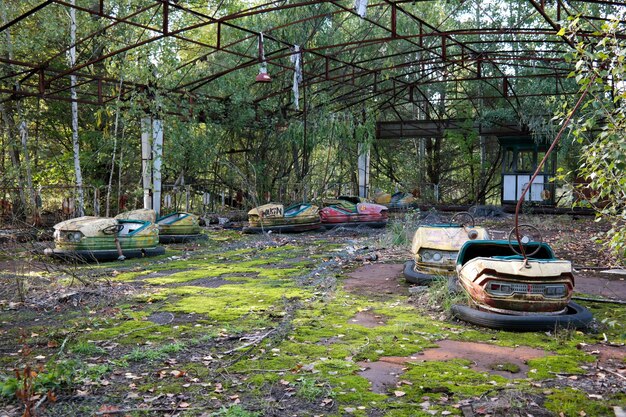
<point x="121" y="195"/>
<point x="117" y="119"/>
<point x="482" y="183"/>
<point x="19" y="206"/>
<point x="75" y="142"/>
<point x="433" y="153"/>
<point x="29" y="177"/>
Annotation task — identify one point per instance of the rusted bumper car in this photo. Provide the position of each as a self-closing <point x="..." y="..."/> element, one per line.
<point x="179" y="227"/>
<point x="435" y="248"/>
<point x="520" y="290"/>
<point x="276" y="218"/>
<point x="352" y="212"/>
<point x="90" y="239"/>
<point x="147" y="215"/>
<point x="402" y="201"/>
<point x="176" y="227"/>
<point x="396" y="201"/>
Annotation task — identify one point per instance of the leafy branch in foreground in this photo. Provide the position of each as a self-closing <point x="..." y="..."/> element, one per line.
<point x="601" y="127"/>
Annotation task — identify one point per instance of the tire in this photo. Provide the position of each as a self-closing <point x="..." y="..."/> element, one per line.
<point x="576" y="317"/>
<point x="371" y="225"/>
<point x="417" y="278"/>
<point x="289" y="228"/>
<point x="87" y="256"/>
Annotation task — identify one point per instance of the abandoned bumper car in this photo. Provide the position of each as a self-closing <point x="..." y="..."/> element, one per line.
<point x="179" y="227"/>
<point x="397" y="201"/>
<point x="274" y="217"/>
<point x="176" y="227"/>
<point x="435" y="248"/>
<point x="89" y="239"/>
<point x="352" y="212"/>
<point x="517" y="285"/>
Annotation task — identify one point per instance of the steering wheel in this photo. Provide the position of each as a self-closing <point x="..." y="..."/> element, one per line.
<point x="464" y="219"/>
<point x="527" y="234"/>
<point x="113" y="229"/>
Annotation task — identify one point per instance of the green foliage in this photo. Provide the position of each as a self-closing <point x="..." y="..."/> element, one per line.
<point x="235" y="411"/>
<point x="400" y="232"/>
<point x="87" y="349"/>
<point x="93" y="372"/>
<point x="572" y="403"/>
<point x="226" y="133"/>
<point x="600" y="126"/>
<point x="440" y="294"/>
<point x="310" y="389"/>
<point x="29" y="381"/>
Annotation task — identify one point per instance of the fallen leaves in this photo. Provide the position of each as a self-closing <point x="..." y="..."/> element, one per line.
<point x="106" y="410"/>
<point x="326" y="402"/>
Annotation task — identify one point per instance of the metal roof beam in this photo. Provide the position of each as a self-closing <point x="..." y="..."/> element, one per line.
<point x="25" y="15"/>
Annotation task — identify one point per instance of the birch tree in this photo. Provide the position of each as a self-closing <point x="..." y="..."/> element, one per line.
<point x="75" y="141"/>
<point x="12" y="130"/>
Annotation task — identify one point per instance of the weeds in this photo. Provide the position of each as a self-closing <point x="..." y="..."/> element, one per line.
<point x="93" y="372"/>
<point x="563" y="335"/>
<point x="440" y="294"/>
<point x="87" y="349"/>
<point x="311" y="390"/>
<point x="400" y="233"/>
<point x="508" y="367"/>
<point x="235" y="411"/>
<point x="32" y="385"/>
<point x="27" y="381"/>
<point x="204" y="339"/>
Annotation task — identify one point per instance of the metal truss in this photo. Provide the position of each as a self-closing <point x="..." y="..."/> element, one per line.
<point x="398" y="55"/>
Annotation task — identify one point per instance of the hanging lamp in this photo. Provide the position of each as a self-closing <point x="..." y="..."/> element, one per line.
<point x="263" y="76"/>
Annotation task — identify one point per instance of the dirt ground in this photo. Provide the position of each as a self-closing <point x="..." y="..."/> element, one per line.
<point x="287" y="357"/>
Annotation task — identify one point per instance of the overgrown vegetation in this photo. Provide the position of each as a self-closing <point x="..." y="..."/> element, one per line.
<point x="280" y="343"/>
<point x="231" y="140"/>
<point x="242" y="326"/>
<point x="600" y="126"/>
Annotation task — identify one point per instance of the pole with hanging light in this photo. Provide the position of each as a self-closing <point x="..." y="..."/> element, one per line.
<point x="263" y="76"/>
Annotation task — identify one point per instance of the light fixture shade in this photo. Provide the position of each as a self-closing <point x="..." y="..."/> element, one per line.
<point x="263" y="76"/>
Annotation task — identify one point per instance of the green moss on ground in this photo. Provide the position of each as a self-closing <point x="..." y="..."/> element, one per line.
<point x="136" y="331"/>
<point x="574" y="403"/>
<point x="313" y="345"/>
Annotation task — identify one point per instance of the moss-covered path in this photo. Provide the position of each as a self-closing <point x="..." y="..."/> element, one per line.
<point x="264" y="326"/>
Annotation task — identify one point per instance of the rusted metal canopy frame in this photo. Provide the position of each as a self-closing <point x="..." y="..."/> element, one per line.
<point x="25" y="15"/>
<point x="394" y="35"/>
<point x="437" y="128"/>
<point x="464" y="45"/>
<point x="538" y="7"/>
<point x="164" y="32"/>
<point x="505" y="77"/>
<point x="311" y="77"/>
<point x="151" y="28"/>
<point x="119" y="20"/>
<point x="37" y="68"/>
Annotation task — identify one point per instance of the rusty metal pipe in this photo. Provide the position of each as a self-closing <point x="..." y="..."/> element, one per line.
<point x="545" y="158"/>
